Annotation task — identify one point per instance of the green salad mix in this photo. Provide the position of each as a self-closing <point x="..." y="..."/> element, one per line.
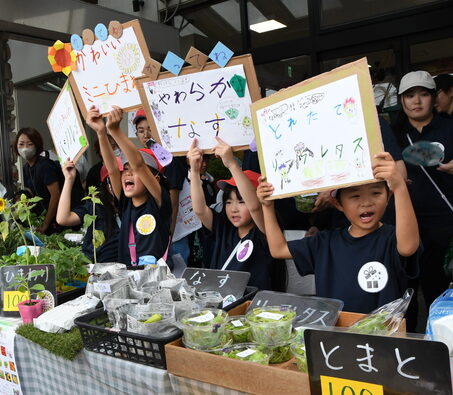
<point x="272" y="325"/>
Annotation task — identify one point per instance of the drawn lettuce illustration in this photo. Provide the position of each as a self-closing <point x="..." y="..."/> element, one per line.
<point x="271" y="326"/>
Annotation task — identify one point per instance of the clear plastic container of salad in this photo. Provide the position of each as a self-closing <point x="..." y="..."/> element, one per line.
<point x="239" y="329"/>
<point x="204" y="329"/>
<point x="250" y="352"/>
<point x="271" y="326"/>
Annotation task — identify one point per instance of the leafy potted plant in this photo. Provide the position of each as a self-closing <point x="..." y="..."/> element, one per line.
<point x="89" y="220"/>
<point x="30" y="308"/>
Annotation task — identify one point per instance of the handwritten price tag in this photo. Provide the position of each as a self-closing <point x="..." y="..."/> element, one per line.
<point x="12" y="298"/>
<point x="334" y="386"/>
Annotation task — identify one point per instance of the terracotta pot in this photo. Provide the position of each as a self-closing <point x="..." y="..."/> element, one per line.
<point x="29" y="312"/>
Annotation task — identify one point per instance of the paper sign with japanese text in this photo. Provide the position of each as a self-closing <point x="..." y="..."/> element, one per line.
<point x="319" y="134"/>
<point x="10" y="297"/>
<point x="350" y="363"/>
<point x="226" y="282"/>
<point x="106" y="71"/>
<point x="66" y="128"/>
<point x="202" y="105"/>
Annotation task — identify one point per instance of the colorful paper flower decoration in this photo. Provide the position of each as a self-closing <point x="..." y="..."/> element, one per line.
<point x="62" y="57"/>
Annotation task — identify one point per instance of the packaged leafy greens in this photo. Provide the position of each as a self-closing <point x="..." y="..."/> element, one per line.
<point x="271" y="326"/>
<point x="225" y="341"/>
<point x="386" y="319"/>
<point x="298" y="350"/>
<point x="239" y="329"/>
<point x="247" y="352"/>
<point x="280" y="354"/>
<point x="204" y="329"/>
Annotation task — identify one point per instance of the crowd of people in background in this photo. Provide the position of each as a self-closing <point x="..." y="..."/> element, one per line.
<point x="403" y="224"/>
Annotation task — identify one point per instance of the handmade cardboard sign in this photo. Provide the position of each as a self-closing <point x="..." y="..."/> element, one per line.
<point x="10" y="297"/>
<point x="311" y="310"/>
<point x="106" y="71"/>
<point x="319" y="134"/>
<point x="202" y="105"/>
<point x="226" y="282"/>
<point x="66" y="128"/>
<point x="349" y="363"/>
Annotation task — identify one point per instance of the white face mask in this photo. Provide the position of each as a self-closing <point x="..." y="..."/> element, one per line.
<point x="27" y="153"/>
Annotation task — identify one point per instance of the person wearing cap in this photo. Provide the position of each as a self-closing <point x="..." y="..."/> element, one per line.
<point x="175" y="173"/>
<point x="238" y="231"/>
<point x="107" y="219"/>
<point x="444" y="98"/>
<point x="144" y="201"/>
<point x="367" y="264"/>
<point x="417" y="122"/>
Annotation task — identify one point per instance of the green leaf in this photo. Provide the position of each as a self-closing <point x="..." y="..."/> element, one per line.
<point x="92" y="190"/>
<point x="99" y="238"/>
<point x="37" y="273"/>
<point x="96" y="200"/>
<point x="4" y="230"/>
<point x="37" y="287"/>
<point x="88" y="220"/>
<point x="22" y="288"/>
<point x="34" y="199"/>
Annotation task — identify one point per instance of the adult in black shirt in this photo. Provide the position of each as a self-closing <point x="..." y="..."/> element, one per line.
<point x="42" y="176"/>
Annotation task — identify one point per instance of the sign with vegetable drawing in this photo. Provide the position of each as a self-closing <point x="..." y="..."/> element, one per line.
<point x="106" y="71"/>
<point x="202" y="105"/>
<point x="66" y="128"/>
<point x="351" y="363"/>
<point x="319" y="134"/>
<point x="10" y="293"/>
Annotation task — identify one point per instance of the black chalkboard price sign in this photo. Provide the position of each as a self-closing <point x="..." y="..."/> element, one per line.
<point x="10" y="297"/>
<point x="226" y="282"/>
<point x="311" y="310"/>
<point x="342" y="363"/>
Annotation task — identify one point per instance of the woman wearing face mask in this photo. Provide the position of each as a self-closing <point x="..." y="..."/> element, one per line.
<point x="41" y="176"/>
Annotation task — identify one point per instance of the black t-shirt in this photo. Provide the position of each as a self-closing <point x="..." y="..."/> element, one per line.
<point x="108" y="251"/>
<point x="151" y="226"/>
<point x="37" y="177"/>
<point x="389" y="140"/>
<point x="253" y="256"/>
<point x="176" y="172"/>
<point x="343" y="264"/>
<point x="94" y="176"/>
<point x="430" y="208"/>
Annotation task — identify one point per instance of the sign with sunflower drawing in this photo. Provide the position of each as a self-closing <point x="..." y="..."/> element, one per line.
<point x="106" y="70"/>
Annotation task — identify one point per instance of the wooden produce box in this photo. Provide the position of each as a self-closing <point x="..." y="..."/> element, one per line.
<point x="243" y="376"/>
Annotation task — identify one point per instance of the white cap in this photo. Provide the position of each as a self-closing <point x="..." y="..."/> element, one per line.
<point x="416" y="78"/>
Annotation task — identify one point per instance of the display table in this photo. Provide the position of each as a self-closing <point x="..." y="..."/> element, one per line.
<point x="91" y="373"/>
<point x="185" y="386"/>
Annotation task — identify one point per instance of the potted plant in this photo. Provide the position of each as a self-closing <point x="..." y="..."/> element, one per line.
<point x="30" y="308"/>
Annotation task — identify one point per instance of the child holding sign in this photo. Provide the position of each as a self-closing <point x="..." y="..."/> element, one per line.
<point x="237" y="232"/>
<point x="367" y="264"/>
<point x="144" y="202"/>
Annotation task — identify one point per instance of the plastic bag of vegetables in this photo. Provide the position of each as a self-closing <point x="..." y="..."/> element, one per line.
<point x="386" y="319"/>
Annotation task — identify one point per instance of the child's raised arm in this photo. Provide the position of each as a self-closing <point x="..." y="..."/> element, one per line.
<point x="200" y="208"/>
<point x="274" y="235"/>
<point x="136" y="161"/>
<point x="245" y="187"/>
<point x="407" y="236"/>
<point x="65" y="216"/>
<point x="94" y="121"/>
